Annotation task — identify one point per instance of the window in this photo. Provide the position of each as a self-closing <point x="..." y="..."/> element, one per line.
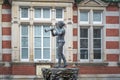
<point x="42" y="13"/>
<point x="24" y="42"/>
<point x="90" y="39"/>
<point x="41" y="43"/>
<point x="24" y="13"/>
<point x="97" y="43"/>
<point x="84" y="44"/>
<point x="59" y="13"/>
<point x="84" y="17"/>
<point x="37" y="13"/>
<point x="97" y="17"/>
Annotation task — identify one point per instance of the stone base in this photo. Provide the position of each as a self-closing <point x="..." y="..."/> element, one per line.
<point x="60" y="73"/>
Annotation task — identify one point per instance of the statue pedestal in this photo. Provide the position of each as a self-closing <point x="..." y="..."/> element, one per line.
<point x="60" y="73"/>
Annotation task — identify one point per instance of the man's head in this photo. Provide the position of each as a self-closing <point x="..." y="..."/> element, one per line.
<point x="61" y="24"/>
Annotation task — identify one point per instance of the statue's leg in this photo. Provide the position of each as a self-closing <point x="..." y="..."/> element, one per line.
<point x="62" y="55"/>
<point x="59" y="54"/>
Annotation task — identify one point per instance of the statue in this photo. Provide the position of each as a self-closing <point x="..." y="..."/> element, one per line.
<point x="59" y="31"/>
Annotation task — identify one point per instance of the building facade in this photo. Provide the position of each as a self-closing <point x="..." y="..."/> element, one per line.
<point x="92" y="37"/>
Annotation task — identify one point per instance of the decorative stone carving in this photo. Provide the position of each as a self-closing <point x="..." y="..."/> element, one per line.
<point x="60" y="73"/>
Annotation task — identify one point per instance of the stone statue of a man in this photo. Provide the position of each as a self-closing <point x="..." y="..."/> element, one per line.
<point x="59" y="31"/>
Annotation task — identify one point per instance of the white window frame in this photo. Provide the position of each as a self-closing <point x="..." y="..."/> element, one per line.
<point x="84" y="22"/>
<point x="28" y="13"/>
<point x="42" y="59"/>
<point x="98" y="22"/>
<point x="21" y="44"/>
<point x="84" y="60"/>
<point x="99" y="60"/>
<point x="41" y="18"/>
<point x="58" y="19"/>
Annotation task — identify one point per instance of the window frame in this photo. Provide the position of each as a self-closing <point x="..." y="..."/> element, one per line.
<point x="21" y="44"/>
<point x="42" y="18"/>
<point x="58" y="19"/>
<point x="98" y="22"/>
<point x="91" y="25"/>
<point x="99" y="60"/>
<point x="42" y="37"/>
<point x="21" y="13"/>
<point x="84" y="22"/>
<point x="84" y="60"/>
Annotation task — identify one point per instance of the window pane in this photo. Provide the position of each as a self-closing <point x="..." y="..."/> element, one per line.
<point x="44" y="33"/>
<point x="97" y="16"/>
<point x="83" y="54"/>
<point x="37" y="42"/>
<point x="46" y="42"/>
<point x="46" y="13"/>
<point x="83" y="33"/>
<point x="37" y="31"/>
<point x="58" y="13"/>
<point x="24" y="53"/>
<point x="83" y="43"/>
<point x="97" y="43"/>
<point x="97" y="54"/>
<point x="83" y="16"/>
<point x="46" y="53"/>
<point x="37" y="13"/>
<point x="37" y="53"/>
<point x="97" y="33"/>
<point x="24" y="42"/>
<point x="24" y="30"/>
<point x="24" y="12"/>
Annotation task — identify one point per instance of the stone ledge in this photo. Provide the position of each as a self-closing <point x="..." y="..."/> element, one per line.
<point x="91" y="64"/>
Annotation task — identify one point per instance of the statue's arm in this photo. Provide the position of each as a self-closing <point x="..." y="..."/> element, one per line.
<point x="52" y="32"/>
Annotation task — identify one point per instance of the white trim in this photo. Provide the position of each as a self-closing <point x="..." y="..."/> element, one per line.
<point x="6" y="38"/>
<point x="112" y="26"/>
<point x="112" y="51"/>
<point x="111" y="13"/>
<point x="6" y="51"/>
<point x="6" y="24"/>
<point x="6" y="11"/>
<point x="113" y="38"/>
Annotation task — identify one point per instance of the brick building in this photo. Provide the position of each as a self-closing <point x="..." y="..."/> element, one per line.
<point x="92" y="37"/>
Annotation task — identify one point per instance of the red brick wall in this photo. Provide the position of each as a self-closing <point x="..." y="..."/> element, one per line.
<point x="6" y="44"/>
<point x="75" y="19"/>
<point x="112" y="8"/>
<point x="112" y="32"/>
<point x="6" y="17"/>
<point x="75" y="32"/>
<point x="75" y="45"/>
<point x="6" y="57"/>
<point x="5" y="70"/>
<point x="112" y="45"/>
<point x="112" y="19"/>
<point x="112" y="57"/>
<point x="99" y="70"/>
<point x="6" y="31"/>
<point x="74" y="57"/>
<point x="23" y="69"/>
